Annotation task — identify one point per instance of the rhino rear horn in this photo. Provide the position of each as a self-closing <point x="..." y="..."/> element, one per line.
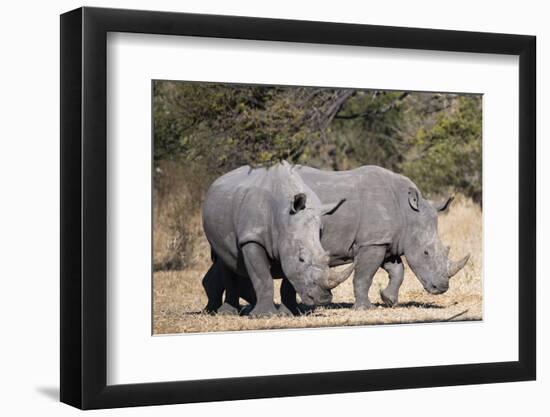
<point x="335" y="278"/>
<point x="454" y="267"/>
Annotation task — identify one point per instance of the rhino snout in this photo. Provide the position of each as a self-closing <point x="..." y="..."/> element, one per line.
<point x="316" y="296"/>
<point x="325" y="297"/>
<point x="438" y="288"/>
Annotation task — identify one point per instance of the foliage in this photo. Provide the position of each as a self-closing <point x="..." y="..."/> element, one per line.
<point x="230" y="125"/>
<point x="448" y="156"/>
<point x="435" y="139"/>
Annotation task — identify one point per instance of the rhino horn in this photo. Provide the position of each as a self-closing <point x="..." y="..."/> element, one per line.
<point x="454" y="267"/>
<point x="335" y="278"/>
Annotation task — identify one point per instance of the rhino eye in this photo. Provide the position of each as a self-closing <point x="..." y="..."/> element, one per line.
<point x="426" y="253"/>
<point x="301" y="259"/>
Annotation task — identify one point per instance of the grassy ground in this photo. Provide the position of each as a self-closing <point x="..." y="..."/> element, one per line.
<point x="178" y="296"/>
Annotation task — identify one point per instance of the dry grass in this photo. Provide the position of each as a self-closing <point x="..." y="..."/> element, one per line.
<point x="179" y="297"/>
<point x="178" y="239"/>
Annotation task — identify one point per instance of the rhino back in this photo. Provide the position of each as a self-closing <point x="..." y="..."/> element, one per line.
<point x="370" y="214"/>
<point x="238" y="209"/>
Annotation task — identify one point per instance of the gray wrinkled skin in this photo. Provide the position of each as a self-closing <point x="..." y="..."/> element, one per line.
<point x="385" y="217"/>
<point x="262" y="223"/>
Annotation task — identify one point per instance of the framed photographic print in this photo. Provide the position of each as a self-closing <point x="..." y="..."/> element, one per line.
<point x="256" y="208"/>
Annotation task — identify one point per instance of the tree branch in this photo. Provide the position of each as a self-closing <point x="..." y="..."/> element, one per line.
<point x="335" y="107"/>
<point x="378" y="112"/>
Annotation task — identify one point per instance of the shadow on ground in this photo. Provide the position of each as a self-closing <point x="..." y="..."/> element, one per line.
<point x="306" y="310"/>
<point x="50" y="392"/>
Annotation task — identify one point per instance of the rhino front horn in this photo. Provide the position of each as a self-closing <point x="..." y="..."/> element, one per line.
<point x="454" y="267"/>
<point x="335" y="278"/>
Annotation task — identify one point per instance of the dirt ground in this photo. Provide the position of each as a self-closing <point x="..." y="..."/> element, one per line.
<point x="178" y="296"/>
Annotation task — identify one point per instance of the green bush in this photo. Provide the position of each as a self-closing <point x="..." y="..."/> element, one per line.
<point x="447" y="157"/>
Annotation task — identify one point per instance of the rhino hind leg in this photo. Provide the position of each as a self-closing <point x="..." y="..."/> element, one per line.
<point x="394" y="267"/>
<point x="258" y="269"/>
<point x="231" y="303"/>
<point x="213" y="284"/>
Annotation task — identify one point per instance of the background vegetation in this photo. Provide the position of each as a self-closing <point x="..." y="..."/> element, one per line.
<point x="434" y="138"/>
<point x="202" y="130"/>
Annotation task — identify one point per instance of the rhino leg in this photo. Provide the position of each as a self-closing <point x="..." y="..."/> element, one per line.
<point x="231" y="302"/>
<point x="284" y="311"/>
<point x="246" y="290"/>
<point x="213" y="284"/>
<point x="368" y="260"/>
<point x="257" y="266"/>
<point x="289" y="306"/>
<point x="227" y="309"/>
<point x="396" y="272"/>
<point x="288" y="297"/>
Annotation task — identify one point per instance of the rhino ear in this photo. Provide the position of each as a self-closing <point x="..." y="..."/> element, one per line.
<point x="298" y="203"/>
<point x="330" y="208"/>
<point x="443" y="205"/>
<point x="413" y="198"/>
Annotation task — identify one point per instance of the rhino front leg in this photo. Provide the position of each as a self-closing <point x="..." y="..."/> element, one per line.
<point x="288" y="298"/>
<point x="368" y="260"/>
<point x="394" y="268"/>
<point x="257" y="266"/>
<point x="246" y="290"/>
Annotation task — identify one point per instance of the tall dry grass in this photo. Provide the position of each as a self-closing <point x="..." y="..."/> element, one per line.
<point x="182" y="257"/>
<point x="178" y="239"/>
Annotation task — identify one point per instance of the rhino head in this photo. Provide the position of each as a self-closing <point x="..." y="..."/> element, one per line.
<point x="303" y="260"/>
<point x="425" y="253"/>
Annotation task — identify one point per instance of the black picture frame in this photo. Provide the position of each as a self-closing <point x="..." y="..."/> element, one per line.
<point x="84" y="207"/>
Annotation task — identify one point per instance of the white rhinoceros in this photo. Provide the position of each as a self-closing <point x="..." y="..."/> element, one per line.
<point x="264" y="223"/>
